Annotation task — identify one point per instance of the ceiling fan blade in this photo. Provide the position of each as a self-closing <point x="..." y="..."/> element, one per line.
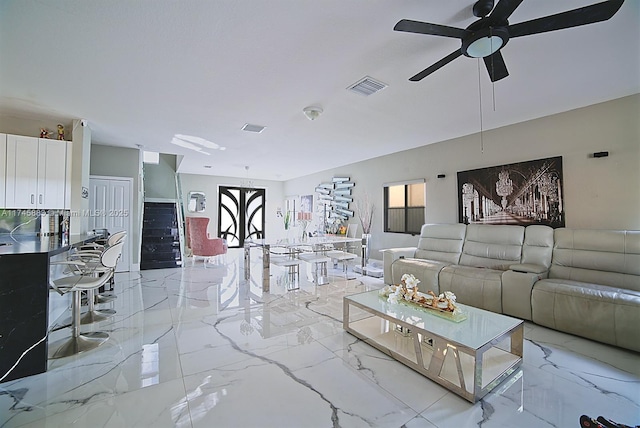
<point x="495" y="66"/>
<point x="573" y="18"/>
<point x="410" y="26"/>
<point x="444" y="61"/>
<point x="503" y="10"/>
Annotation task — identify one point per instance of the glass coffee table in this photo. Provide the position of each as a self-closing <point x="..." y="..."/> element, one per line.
<point x="469" y="354"/>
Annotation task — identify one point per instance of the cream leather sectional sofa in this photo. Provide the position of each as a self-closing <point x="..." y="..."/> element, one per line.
<point x="583" y="282"/>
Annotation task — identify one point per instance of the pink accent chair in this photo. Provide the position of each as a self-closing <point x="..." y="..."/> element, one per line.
<point x="199" y="241"/>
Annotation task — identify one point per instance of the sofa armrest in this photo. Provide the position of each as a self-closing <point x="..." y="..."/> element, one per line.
<point x="528" y="268"/>
<point x="390" y="255"/>
<point x="517" y="286"/>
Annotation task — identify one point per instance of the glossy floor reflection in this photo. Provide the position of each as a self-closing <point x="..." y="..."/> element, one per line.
<point x="202" y="347"/>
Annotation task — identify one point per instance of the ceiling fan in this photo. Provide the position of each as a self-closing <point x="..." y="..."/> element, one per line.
<point x="487" y="36"/>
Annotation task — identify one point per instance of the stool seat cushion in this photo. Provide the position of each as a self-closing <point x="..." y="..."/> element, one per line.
<point x="341" y="255"/>
<point x="288" y="262"/>
<point x="69" y="283"/>
<point x="314" y="258"/>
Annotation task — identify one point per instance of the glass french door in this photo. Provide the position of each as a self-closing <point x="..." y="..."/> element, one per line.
<point x="240" y="214"/>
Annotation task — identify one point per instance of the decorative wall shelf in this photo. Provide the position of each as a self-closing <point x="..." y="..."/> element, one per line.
<point x="333" y="200"/>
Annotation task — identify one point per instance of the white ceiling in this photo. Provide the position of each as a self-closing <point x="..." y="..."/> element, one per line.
<point x="140" y="71"/>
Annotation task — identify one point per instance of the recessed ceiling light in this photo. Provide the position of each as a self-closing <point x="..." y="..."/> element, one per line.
<point x="253" y="128"/>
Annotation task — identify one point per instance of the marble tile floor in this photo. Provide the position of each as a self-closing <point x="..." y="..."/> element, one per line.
<point x="201" y="347"/>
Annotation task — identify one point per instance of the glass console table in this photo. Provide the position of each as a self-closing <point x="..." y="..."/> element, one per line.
<point x="469" y="355"/>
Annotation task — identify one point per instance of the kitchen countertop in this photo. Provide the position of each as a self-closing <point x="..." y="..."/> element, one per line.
<point x="31" y="244"/>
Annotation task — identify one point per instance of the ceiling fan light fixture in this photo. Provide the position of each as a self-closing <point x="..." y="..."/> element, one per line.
<point x="312" y="112"/>
<point x="484" y="47"/>
<point x="485" y="42"/>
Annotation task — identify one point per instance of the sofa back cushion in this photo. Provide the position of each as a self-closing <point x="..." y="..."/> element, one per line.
<point x="492" y="246"/>
<point x="538" y="245"/>
<point x="441" y="242"/>
<point x="607" y="257"/>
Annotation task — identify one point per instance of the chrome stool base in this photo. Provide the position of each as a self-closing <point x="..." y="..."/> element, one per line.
<point x="75" y="345"/>
<point x="105" y="297"/>
<point x="96" y="316"/>
<point x="90" y="317"/>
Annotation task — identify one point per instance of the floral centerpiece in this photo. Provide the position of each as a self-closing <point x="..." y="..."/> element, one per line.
<point x="407" y="290"/>
<point x="304" y="219"/>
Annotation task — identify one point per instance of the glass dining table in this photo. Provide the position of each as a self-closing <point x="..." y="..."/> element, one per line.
<point x="317" y="244"/>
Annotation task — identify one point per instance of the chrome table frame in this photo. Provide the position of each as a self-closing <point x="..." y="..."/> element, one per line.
<point x="419" y="340"/>
<point x="316" y="242"/>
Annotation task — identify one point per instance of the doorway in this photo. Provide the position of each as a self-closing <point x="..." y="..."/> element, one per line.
<point x="241" y="214"/>
<point x="110" y="208"/>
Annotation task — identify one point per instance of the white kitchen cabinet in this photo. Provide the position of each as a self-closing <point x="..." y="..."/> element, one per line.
<point x="52" y="175"/>
<point x="35" y="173"/>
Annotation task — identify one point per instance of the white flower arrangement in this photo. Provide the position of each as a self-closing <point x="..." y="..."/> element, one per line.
<point x="408" y="290"/>
<point x="409" y="280"/>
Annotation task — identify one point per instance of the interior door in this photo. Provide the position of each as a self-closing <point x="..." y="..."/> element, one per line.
<point x="241" y="214"/>
<point x="110" y="208"/>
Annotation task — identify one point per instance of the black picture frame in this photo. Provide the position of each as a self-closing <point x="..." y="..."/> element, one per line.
<point x="520" y="193"/>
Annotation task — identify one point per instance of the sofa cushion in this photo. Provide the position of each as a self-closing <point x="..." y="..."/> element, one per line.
<point x="599" y="312"/>
<point x="473" y="286"/>
<point x="492" y="246"/>
<point x="438" y="243"/>
<point x="608" y="257"/>
<point x="538" y="246"/>
<point x="426" y="271"/>
<point x="441" y="242"/>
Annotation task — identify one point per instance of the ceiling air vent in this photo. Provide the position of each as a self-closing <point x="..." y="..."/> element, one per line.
<point x="253" y="128"/>
<point x="367" y="86"/>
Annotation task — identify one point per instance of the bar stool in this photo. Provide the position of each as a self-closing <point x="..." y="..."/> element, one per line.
<point x="76" y="284"/>
<point x="91" y="264"/>
<point x="97" y="247"/>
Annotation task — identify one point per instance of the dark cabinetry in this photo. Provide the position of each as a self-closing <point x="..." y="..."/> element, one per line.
<point x="160" y="236"/>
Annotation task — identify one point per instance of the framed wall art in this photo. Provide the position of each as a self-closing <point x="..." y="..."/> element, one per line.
<point x="520" y="193"/>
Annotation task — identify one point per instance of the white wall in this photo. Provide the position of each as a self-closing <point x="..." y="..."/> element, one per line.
<point x="599" y="193"/>
<point x="160" y="179"/>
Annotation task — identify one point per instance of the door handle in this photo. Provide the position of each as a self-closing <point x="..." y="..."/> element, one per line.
<point x="40" y="199"/>
<point x="33" y="199"/>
